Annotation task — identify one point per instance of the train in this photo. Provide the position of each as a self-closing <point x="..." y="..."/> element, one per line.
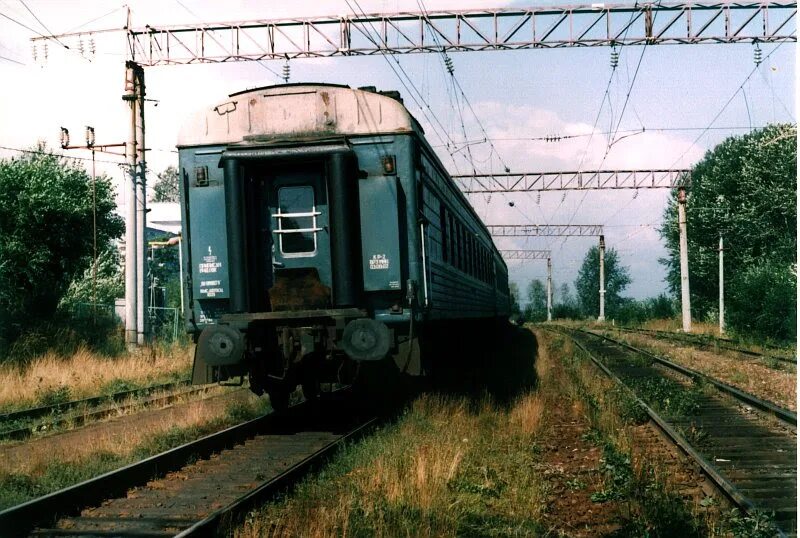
<point x="323" y="235"/>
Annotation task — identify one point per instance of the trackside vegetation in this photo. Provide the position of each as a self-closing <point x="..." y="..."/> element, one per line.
<point x="454" y="466"/>
<point x="43" y="476"/>
<point x="744" y="190"/>
<point x="46" y="238"/>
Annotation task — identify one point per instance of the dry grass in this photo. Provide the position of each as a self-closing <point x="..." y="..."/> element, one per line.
<point x="119" y="437"/>
<point x="39" y="467"/>
<point x="87" y="374"/>
<point x="752" y="376"/>
<point x="448" y="467"/>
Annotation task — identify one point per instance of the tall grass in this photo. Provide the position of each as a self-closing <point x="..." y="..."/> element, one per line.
<point x="51" y="376"/>
<point x="46" y="465"/>
<point x="449" y="467"/>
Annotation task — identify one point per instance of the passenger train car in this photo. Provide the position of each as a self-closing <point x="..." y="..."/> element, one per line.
<point x="321" y="232"/>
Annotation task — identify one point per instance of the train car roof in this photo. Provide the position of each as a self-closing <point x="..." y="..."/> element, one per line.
<point x="297" y="111"/>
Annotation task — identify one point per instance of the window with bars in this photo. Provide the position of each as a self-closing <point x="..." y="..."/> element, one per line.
<point x="297" y="221"/>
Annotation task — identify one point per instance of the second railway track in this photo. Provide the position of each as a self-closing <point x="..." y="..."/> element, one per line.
<point x="706" y="342"/>
<point x="750" y="457"/>
<point x="193" y="489"/>
<point x="23" y="424"/>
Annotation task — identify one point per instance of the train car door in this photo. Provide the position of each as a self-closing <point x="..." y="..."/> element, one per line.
<point x="299" y="221"/>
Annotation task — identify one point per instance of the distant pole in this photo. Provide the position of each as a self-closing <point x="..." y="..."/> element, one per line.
<point x="94" y="241"/>
<point x="721" y="288"/>
<point x="549" y="290"/>
<point x="602" y="316"/>
<point x="141" y="212"/>
<point x="130" y="223"/>
<point x="686" y="309"/>
<point x="180" y="266"/>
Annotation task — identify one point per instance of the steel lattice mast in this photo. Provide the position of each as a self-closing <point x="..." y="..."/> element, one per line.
<point x="573" y="180"/>
<point x="525" y="254"/>
<point x="545" y="230"/>
<point x="462" y="30"/>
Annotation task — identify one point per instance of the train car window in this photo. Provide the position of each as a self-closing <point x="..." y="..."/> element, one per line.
<point x="443" y="229"/>
<point x="462" y="254"/>
<point x="297" y="221"/>
<point x="452" y="237"/>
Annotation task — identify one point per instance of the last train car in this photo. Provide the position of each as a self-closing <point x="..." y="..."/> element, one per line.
<point x="321" y="231"/>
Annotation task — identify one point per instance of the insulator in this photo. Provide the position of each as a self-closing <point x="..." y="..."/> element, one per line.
<point x="92" y="46"/>
<point x="614" y="58"/>
<point x="287" y="71"/>
<point x="45" y="51"/>
<point x="34" y="52"/>
<point x="448" y="64"/>
<point x="757" y="58"/>
<point x="80" y="46"/>
<point x="538" y="197"/>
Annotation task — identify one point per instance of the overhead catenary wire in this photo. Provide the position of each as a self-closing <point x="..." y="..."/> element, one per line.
<point x="195" y="15"/>
<point x="416" y="95"/>
<point x="51" y="38"/>
<point x="724" y="107"/>
<point x="448" y="66"/>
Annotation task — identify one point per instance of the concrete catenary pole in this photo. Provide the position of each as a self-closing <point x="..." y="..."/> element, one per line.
<point x="721" y="287"/>
<point x="686" y="308"/>
<point x="141" y="212"/>
<point x="549" y="290"/>
<point x="130" y="224"/>
<point x="602" y="316"/>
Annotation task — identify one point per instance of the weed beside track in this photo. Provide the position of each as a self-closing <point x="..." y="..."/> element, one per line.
<point x="48" y="471"/>
<point x="556" y="461"/>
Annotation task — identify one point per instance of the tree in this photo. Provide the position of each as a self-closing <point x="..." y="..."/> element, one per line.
<point x="165" y="187"/>
<point x="110" y="283"/>
<point x="513" y="289"/>
<point x="536" y="309"/>
<point x="587" y="284"/>
<point x="744" y="189"/>
<point x="46" y="233"/>
<point x="566" y="307"/>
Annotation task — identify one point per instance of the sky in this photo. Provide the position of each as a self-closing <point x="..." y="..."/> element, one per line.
<point x="671" y="92"/>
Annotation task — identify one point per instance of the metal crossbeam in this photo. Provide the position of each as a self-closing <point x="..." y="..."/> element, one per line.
<point x="466" y="30"/>
<point x="525" y="254"/>
<point x="573" y="180"/>
<point x="544" y="230"/>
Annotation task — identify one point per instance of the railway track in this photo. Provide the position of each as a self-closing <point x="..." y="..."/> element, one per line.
<point x="23" y="424"/>
<point x="196" y="488"/>
<point x="749" y="456"/>
<point x="711" y="342"/>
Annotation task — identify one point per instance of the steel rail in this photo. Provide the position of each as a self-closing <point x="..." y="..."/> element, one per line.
<point x="785" y="415"/>
<point x="38" y="412"/>
<point x="268" y="489"/>
<point x="731" y="492"/>
<point x="80" y="419"/>
<point x="711" y="341"/>
<point x="19" y="520"/>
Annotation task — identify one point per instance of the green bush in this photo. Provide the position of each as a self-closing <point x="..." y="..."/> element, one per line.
<point x="762" y="302"/>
